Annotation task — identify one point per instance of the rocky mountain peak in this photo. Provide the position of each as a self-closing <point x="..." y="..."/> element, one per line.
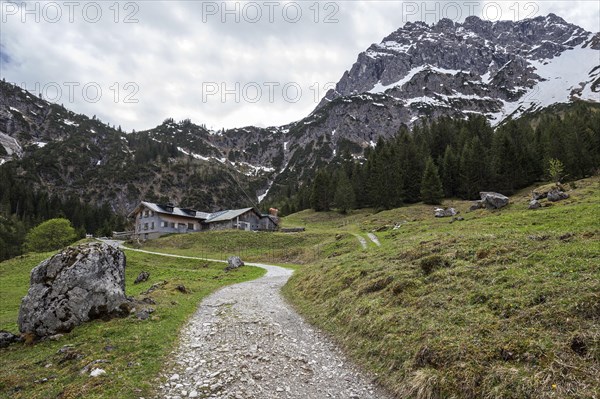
<point x="496" y="63"/>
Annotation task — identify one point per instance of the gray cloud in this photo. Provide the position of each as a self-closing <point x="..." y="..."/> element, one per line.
<point x="174" y="50"/>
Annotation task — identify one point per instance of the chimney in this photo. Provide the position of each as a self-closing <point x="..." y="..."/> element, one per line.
<point x="273" y="211"/>
<point x="169" y="207"/>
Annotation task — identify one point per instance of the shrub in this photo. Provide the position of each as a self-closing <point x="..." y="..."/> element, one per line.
<point x="50" y="235"/>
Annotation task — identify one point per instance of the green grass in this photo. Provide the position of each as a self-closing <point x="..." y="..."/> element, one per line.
<point x="136" y="350"/>
<point x="505" y="304"/>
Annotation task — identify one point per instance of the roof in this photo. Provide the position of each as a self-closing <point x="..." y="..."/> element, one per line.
<point x="158" y="208"/>
<point x="219" y="216"/>
<point x="227" y="215"/>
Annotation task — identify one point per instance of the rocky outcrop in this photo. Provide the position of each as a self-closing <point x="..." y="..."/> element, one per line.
<point x="503" y="66"/>
<point x="556" y="195"/>
<point x="79" y="284"/>
<point x="233" y="262"/>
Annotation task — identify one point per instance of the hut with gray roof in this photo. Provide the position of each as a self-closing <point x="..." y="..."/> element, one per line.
<point x="154" y="220"/>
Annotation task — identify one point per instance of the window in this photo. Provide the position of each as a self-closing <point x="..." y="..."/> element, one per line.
<point x="145" y="226"/>
<point x="172" y="225"/>
<point x="164" y="224"/>
<point x="152" y="226"/>
<point x="190" y="226"/>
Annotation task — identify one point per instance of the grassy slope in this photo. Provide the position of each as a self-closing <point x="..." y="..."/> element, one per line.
<point x="136" y="350"/>
<point x="511" y="309"/>
<point x="278" y="248"/>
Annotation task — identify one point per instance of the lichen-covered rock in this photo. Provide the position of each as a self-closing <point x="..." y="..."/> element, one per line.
<point x="79" y="284"/>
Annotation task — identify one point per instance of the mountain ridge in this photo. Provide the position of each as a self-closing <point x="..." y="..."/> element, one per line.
<point x="497" y="69"/>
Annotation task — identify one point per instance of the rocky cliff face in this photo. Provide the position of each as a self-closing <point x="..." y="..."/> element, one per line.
<point x="496" y="69"/>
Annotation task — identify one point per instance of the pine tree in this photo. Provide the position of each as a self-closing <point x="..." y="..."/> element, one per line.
<point x="432" y="191"/>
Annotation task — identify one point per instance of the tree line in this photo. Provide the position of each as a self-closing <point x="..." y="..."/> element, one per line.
<point x="23" y="207"/>
<point x="452" y="157"/>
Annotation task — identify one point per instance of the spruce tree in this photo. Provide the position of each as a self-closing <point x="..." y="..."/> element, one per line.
<point x="320" y="194"/>
<point x="344" y="194"/>
<point x="450" y="172"/>
<point x="432" y="191"/>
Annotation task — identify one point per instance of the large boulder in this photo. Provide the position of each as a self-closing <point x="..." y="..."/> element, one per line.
<point x="233" y="262"/>
<point x="79" y="284"/>
<point x="493" y="200"/>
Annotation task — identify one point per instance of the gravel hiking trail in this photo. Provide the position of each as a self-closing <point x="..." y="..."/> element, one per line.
<point x="246" y="342"/>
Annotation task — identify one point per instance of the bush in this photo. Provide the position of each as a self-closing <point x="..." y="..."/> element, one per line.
<point x="51" y="235"/>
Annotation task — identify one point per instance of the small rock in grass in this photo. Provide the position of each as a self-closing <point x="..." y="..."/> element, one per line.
<point x="142" y="277"/>
<point x="534" y="204"/>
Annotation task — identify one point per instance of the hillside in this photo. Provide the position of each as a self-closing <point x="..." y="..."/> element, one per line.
<point x="501" y="305"/>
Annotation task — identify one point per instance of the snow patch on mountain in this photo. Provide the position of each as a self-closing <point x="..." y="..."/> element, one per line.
<point x="193" y="155"/>
<point x="562" y="81"/>
<point x="381" y="88"/>
<point x="69" y="122"/>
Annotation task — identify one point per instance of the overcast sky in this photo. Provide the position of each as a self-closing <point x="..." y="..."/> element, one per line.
<point x="224" y="64"/>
